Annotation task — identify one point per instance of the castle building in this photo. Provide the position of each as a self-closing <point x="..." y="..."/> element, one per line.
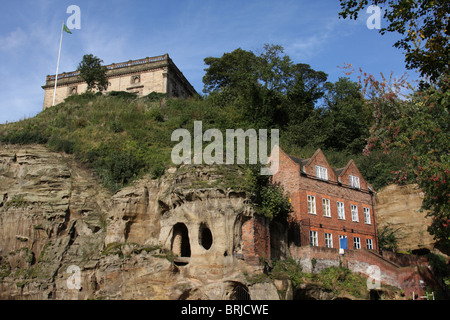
<point x="329" y="204"/>
<point x="142" y="76"/>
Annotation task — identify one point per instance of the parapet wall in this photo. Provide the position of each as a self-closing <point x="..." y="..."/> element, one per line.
<point x="411" y="279"/>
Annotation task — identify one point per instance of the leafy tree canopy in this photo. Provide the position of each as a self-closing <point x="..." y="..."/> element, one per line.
<point x="270" y="88"/>
<point x="424" y="26"/>
<point x="92" y="71"/>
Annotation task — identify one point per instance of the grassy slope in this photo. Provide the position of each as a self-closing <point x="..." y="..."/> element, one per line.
<point x="120" y="136"/>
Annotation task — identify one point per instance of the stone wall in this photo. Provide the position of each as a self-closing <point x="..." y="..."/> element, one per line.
<point x="157" y="74"/>
<point x="412" y="278"/>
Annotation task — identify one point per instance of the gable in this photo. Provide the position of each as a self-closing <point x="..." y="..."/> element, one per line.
<point x="318" y="159"/>
<point x="352" y="170"/>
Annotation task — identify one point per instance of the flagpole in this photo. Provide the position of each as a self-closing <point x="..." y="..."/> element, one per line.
<point x="57" y="65"/>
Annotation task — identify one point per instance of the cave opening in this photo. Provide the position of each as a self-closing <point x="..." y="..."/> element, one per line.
<point x="180" y="241"/>
<point x="205" y="237"/>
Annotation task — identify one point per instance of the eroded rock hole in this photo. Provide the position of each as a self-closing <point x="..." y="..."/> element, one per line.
<point x="205" y="236"/>
<point x="180" y="241"/>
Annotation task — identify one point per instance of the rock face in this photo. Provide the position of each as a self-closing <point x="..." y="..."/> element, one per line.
<point x="399" y="207"/>
<point x="63" y="236"/>
<point x="183" y="236"/>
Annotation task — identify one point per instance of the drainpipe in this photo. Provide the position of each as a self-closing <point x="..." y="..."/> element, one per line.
<point x="374" y="222"/>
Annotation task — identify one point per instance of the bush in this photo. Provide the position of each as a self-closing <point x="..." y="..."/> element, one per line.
<point x="157" y="171"/>
<point x="122" y="94"/>
<point x="61" y="144"/>
<point x="25" y="135"/>
<point x="155" y="96"/>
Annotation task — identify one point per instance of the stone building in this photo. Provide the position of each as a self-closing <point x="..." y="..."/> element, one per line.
<point x="329" y="204"/>
<point x="143" y="76"/>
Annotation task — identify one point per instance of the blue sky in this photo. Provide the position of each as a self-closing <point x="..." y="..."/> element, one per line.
<point x="189" y="30"/>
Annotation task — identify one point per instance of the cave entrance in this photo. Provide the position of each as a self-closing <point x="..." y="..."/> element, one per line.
<point x="180" y="242"/>
<point x="240" y="292"/>
<point x="236" y="291"/>
<point x="205" y="237"/>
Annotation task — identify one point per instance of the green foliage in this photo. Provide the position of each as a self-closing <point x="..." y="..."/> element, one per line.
<point x="288" y="269"/>
<point x="92" y="71"/>
<point x="17" y="201"/>
<point x="423" y="26"/>
<point x="334" y="279"/>
<point x="340" y="279"/>
<point x="419" y="131"/>
<point x="119" y="138"/>
<point x="271" y="200"/>
<point x="380" y="168"/>
<point x="387" y="238"/>
<point x="274" y="202"/>
<point x="269" y="89"/>
<point x="346" y="120"/>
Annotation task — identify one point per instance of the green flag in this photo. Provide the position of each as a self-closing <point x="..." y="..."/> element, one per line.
<point x="66" y="29"/>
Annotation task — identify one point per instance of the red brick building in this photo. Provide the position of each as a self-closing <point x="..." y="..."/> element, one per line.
<point x="329" y="203"/>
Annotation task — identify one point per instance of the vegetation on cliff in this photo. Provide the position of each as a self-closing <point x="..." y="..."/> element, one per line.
<point x="392" y="138"/>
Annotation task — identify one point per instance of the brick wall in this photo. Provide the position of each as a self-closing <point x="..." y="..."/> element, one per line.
<point x="411" y="278"/>
<point x="256" y="240"/>
<point x="300" y="182"/>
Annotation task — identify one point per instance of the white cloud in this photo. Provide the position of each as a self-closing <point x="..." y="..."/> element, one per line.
<point x="13" y="40"/>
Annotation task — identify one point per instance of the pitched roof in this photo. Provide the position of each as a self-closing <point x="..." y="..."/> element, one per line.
<point x="304" y="162"/>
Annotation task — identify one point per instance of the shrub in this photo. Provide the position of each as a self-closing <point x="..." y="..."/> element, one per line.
<point x="60" y="144"/>
<point x="122" y="94"/>
<point x="157" y="171"/>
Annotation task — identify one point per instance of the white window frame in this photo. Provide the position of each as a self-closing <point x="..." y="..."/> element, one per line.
<point x="313" y="238"/>
<point x="354" y="210"/>
<point x="311" y="203"/>
<point x="366" y="215"/>
<point x="326" y="207"/>
<point x="357" y="242"/>
<point x="354" y="182"/>
<point x="369" y="244"/>
<point x="321" y="173"/>
<point x="328" y="240"/>
<point x="341" y="210"/>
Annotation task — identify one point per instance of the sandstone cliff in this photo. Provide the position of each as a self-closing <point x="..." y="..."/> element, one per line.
<point x="399" y="207"/>
<point x="178" y="237"/>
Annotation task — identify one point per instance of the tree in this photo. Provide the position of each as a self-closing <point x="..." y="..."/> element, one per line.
<point x="270" y="88"/>
<point x="418" y="129"/>
<point x="92" y="71"/>
<point x="346" y="117"/>
<point x="424" y="26"/>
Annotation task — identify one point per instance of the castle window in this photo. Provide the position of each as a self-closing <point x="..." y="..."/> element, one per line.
<point x="321" y="173"/>
<point x="341" y="210"/>
<point x="354" y="182"/>
<point x="135" y="79"/>
<point x="73" y="90"/>
<point x="311" y="204"/>
<point x="366" y="215"/>
<point x="354" y="210"/>
<point x="326" y="207"/>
